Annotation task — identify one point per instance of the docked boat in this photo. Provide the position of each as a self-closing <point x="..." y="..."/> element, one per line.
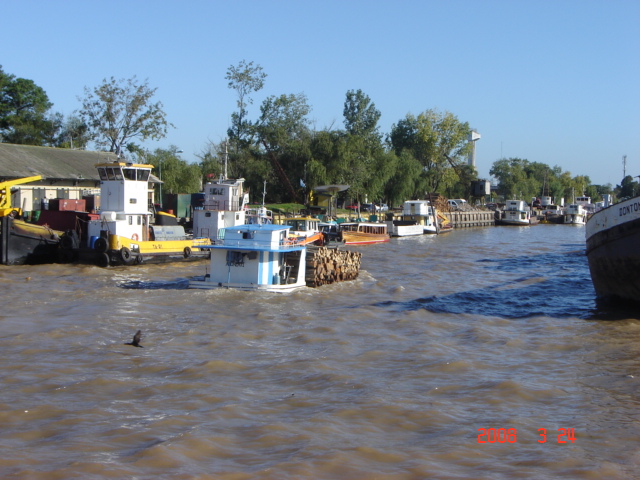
<point x="421" y="212"/>
<point x="552" y="213"/>
<point x="362" y="233"/>
<point x="305" y="230"/>
<point x="26" y="243"/>
<point x="255" y="257"/>
<point x="516" y="212"/>
<point x="225" y="204"/>
<point x="404" y="228"/>
<point x="612" y="239"/>
<point x="122" y="234"/>
<point x="575" y="214"/>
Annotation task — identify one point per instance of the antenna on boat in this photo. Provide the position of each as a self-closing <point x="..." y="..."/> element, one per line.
<point x="226" y="157"/>
<point x="264" y="192"/>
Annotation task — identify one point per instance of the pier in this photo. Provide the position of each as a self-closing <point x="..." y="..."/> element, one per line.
<point x="471" y="218"/>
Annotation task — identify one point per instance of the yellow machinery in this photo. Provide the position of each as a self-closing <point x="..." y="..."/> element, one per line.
<point x="5" y="195"/>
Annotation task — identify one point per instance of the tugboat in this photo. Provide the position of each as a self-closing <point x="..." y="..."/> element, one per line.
<point x="123" y="233"/>
<point x="256" y="257"/>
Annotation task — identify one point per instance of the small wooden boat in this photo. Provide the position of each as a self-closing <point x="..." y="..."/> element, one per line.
<point x="362" y="233"/>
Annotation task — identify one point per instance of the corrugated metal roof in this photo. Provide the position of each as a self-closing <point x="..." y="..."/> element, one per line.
<point x="17" y="161"/>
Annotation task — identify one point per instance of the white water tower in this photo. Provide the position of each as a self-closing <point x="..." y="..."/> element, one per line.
<point x="473" y="138"/>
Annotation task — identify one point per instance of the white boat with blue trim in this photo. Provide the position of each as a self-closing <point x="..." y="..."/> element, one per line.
<point x="255" y="257"/>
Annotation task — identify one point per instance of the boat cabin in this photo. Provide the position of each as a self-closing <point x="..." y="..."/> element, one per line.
<point x="124" y="197"/>
<point x="256" y="257"/>
<point x="224" y="205"/>
<point x="417" y="207"/>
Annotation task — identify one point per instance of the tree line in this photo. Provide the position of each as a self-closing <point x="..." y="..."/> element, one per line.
<point x="422" y="154"/>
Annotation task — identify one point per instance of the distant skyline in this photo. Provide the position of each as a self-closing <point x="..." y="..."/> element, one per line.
<point x="550" y="81"/>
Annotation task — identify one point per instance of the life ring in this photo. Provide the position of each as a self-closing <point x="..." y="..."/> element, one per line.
<point x="187" y="252"/>
<point x="134" y="237"/>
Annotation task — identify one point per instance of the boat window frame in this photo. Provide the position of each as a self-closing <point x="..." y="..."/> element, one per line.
<point x="129" y="174"/>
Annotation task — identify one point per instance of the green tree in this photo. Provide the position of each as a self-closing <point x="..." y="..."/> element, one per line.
<point x="439" y="142"/>
<point x="406" y="182"/>
<point x="360" y="115"/>
<point x="627" y="188"/>
<point x="244" y="79"/>
<point x="177" y="175"/>
<point x="514" y="181"/>
<point x="283" y="132"/>
<point x="118" y="111"/>
<point x="366" y="165"/>
<point x="23" y="109"/>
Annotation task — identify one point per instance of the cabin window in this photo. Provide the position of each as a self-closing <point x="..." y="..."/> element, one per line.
<point x="216" y="191"/>
<point x="117" y="171"/>
<point x="103" y="173"/>
<point x="110" y="174"/>
<point x="143" y="175"/>
<point x="133" y="200"/>
<point x="130" y="219"/>
<point x="139" y="220"/>
<point x="248" y="235"/>
<point x="207" y="214"/>
<point x="129" y="173"/>
<point x="235" y="259"/>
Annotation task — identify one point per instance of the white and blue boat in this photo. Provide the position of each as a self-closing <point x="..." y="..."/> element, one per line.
<point x="256" y="257"/>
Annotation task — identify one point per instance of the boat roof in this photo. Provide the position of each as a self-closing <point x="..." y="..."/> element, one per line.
<point x="259" y="226"/>
<point x="302" y="218"/>
<point x="124" y="164"/>
<point x="370" y="224"/>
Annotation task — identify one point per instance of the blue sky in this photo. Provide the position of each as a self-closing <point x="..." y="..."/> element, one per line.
<point x="551" y="81"/>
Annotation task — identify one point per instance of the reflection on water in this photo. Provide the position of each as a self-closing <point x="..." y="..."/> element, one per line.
<point x="389" y="376"/>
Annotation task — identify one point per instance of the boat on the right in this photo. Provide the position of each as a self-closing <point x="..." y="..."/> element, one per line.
<point x="613" y="240"/>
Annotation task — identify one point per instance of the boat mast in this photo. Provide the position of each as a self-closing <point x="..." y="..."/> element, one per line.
<point x="226" y="158"/>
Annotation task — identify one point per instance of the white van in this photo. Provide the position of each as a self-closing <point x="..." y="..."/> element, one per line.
<point x="457" y="203"/>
